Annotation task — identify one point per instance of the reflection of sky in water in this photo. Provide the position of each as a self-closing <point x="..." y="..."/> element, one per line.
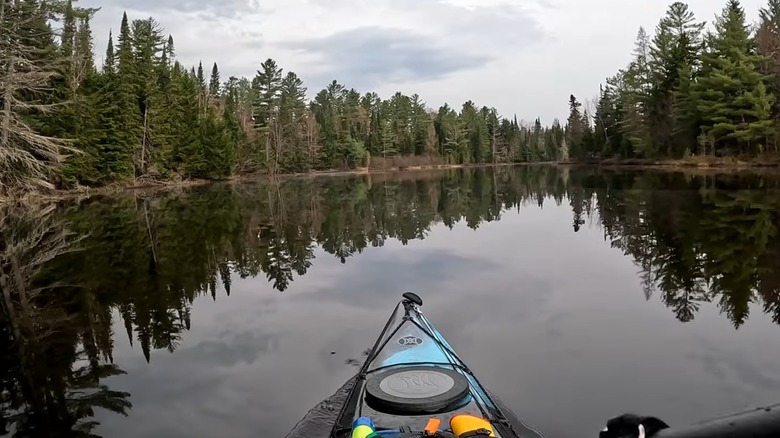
<point x="554" y="322"/>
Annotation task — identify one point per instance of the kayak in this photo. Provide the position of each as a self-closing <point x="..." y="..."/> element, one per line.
<point x="413" y="384"/>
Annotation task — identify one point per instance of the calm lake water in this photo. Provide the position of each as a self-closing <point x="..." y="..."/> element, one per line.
<point x="231" y="310"/>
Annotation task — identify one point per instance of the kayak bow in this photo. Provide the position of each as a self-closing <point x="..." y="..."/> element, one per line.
<point x="413" y="381"/>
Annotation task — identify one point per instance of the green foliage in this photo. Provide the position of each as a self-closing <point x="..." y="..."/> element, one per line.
<point x="686" y="93"/>
<point x="143" y="115"/>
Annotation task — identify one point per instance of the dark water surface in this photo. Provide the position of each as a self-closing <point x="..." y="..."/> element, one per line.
<point x="230" y="311"/>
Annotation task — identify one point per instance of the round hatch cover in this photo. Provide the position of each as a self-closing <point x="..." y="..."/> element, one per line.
<point x="416" y="390"/>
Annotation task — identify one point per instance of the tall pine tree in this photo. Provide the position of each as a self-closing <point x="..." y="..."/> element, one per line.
<point x="732" y="97"/>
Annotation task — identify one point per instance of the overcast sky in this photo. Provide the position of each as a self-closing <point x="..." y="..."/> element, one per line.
<point x="523" y="57"/>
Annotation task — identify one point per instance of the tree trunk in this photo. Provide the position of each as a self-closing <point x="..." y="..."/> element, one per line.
<point x="143" y="139"/>
<point x="149" y="230"/>
<point x="494" y="143"/>
<point x="277" y="146"/>
<point x="8" y="92"/>
<point x="7" y="95"/>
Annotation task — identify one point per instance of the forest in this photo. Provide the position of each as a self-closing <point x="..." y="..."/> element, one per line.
<point x="138" y="263"/>
<point x="691" y="89"/>
<point x="143" y="115"/>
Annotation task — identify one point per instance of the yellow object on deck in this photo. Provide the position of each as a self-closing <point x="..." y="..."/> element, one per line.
<point x="362" y="431"/>
<point x="463" y="424"/>
<point x="362" y="427"/>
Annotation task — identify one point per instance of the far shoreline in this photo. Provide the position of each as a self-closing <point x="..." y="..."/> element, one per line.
<point x="147" y="186"/>
<point x="697" y="162"/>
<point x="153" y="186"/>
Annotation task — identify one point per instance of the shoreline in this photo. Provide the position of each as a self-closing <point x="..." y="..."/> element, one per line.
<point x="693" y="164"/>
<point x="153" y="186"/>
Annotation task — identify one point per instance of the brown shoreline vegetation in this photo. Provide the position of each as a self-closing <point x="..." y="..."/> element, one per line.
<point x="698" y="162"/>
<point x="150" y="187"/>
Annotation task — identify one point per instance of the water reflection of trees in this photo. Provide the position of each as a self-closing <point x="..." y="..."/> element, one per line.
<point x="55" y="341"/>
<point x="146" y="258"/>
<point x="696" y="239"/>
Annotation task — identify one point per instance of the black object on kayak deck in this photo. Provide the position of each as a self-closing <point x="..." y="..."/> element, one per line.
<point x="757" y="423"/>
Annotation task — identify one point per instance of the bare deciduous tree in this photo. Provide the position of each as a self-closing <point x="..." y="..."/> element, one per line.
<point x="27" y="158"/>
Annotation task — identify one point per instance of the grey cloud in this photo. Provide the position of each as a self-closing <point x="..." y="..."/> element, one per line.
<point x="222" y="8"/>
<point x="366" y="56"/>
<point x="243" y="348"/>
<point x="376" y="274"/>
<point x="486" y="27"/>
<point x="549" y="4"/>
<point x="721" y="363"/>
<point x="470" y="38"/>
<point x="186" y="384"/>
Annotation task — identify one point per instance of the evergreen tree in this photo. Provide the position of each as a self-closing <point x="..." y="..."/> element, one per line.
<point x="673" y="55"/>
<point x="148" y="47"/>
<point x="768" y="46"/>
<point x="292" y="109"/>
<point x="68" y="30"/>
<point x="109" y="63"/>
<point x="636" y="95"/>
<point x="575" y="129"/>
<point x="732" y="97"/>
<point x="120" y="165"/>
<point x="267" y="86"/>
<point x="83" y="84"/>
<point x="214" y="84"/>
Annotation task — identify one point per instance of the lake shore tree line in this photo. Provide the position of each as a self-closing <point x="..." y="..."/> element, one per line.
<point x="691" y="89"/>
<point x="66" y="122"/>
<point x="143" y="115"/>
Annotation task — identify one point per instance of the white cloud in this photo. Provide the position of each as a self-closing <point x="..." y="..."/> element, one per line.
<point x="522" y="57"/>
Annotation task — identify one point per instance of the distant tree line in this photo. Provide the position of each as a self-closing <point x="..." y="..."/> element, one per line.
<point x="688" y="91"/>
<point x="66" y="122"/>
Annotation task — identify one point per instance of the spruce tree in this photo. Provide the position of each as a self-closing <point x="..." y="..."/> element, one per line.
<point x="68" y="30"/>
<point x="82" y="168"/>
<point x="214" y="84"/>
<point x="188" y="155"/>
<point x="122" y="85"/>
<point x="109" y="63"/>
<point x="148" y="49"/>
<point x="109" y="133"/>
<point x="575" y="129"/>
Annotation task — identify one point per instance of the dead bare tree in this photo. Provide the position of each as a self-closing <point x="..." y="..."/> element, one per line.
<point x="27" y="158"/>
